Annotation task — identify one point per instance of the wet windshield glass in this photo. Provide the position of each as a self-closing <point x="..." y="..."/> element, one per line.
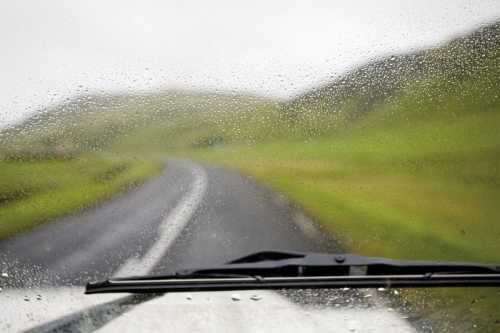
<point x="142" y="137"/>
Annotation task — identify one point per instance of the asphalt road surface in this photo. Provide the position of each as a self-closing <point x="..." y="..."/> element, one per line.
<point x="189" y="215"/>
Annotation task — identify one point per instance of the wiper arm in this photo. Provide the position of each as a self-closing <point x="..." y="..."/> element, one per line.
<point x="286" y="270"/>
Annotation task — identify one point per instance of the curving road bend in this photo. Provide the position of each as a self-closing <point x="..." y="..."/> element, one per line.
<point x="189" y="215"/>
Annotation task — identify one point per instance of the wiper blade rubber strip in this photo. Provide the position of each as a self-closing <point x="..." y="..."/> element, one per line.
<point x="288" y="270"/>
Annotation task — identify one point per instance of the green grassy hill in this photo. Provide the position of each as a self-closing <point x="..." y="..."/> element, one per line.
<point x="399" y="158"/>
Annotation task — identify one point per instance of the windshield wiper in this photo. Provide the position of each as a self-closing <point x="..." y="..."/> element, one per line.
<point x="286" y="270"/>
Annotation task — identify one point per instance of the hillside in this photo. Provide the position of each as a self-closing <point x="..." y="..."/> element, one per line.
<point x="398" y="146"/>
<point x="90" y="122"/>
<point x="463" y="68"/>
<point x="458" y="78"/>
<point x="400" y="159"/>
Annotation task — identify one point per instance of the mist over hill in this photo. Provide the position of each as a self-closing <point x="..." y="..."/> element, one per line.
<point x="458" y="77"/>
<point x="91" y="122"/>
<point x="465" y="68"/>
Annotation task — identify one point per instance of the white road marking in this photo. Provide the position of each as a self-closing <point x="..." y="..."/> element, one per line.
<point x="305" y="225"/>
<point x="171" y="226"/>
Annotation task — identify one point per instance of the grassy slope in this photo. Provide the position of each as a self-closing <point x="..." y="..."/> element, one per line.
<point x="412" y="176"/>
<point x="416" y="174"/>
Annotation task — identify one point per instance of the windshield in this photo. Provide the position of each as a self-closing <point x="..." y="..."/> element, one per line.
<point x="139" y="138"/>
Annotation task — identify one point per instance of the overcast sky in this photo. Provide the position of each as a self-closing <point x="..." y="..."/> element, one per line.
<point x="52" y="50"/>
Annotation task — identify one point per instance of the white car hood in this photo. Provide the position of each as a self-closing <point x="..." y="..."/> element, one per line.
<point x="194" y="312"/>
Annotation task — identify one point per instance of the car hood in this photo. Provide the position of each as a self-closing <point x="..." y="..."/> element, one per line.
<point x="68" y="309"/>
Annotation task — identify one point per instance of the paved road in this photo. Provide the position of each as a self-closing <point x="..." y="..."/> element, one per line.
<point x="189" y="215"/>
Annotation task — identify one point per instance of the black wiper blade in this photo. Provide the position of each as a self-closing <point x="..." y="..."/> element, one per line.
<point x="285" y="270"/>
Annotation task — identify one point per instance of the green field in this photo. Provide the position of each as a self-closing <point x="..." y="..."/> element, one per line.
<point x="35" y="191"/>
<point x="405" y="166"/>
<point x="438" y="200"/>
<point x="414" y="176"/>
